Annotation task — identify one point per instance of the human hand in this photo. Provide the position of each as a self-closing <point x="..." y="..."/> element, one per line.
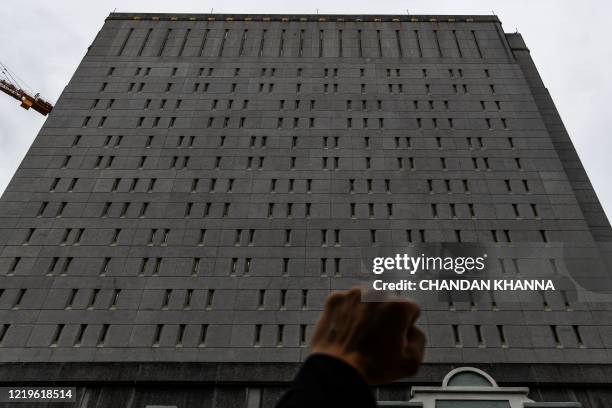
<point x="379" y="339"/>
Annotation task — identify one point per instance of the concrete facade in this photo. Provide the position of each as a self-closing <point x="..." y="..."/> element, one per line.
<point x="204" y="182"/>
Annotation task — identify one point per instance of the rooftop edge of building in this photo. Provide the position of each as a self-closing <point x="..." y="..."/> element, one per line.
<point x="334" y="18"/>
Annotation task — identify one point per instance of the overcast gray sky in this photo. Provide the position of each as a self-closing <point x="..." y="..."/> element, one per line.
<point x="43" y="42"/>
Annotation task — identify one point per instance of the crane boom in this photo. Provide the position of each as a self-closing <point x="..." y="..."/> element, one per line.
<point x="26" y="98"/>
<point x="27" y="101"/>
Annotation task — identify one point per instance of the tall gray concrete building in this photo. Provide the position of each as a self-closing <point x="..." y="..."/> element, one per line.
<point x="205" y="181"/>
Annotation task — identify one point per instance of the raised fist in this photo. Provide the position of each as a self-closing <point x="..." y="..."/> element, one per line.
<point x="379" y="339"/>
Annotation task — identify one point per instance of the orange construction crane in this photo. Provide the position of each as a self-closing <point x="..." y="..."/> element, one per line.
<point x="10" y="86"/>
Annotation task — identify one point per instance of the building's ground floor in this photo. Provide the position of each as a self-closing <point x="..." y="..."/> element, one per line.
<point x="237" y="385"/>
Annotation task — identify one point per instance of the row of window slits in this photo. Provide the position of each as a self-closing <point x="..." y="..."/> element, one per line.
<point x="61" y="266"/>
<point x="199" y="210"/>
<point x="282" y="104"/>
<point x="294" y="123"/>
<point x="327" y="142"/>
<point x="328" y="237"/>
<point x="453" y="73"/>
<point x="327" y="162"/>
<point x="481" y="341"/>
<point x="356" y="39"/>
<point x="362" y="88"/>
<point x="295" y="105"/>
<point x="465" y="301"/>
